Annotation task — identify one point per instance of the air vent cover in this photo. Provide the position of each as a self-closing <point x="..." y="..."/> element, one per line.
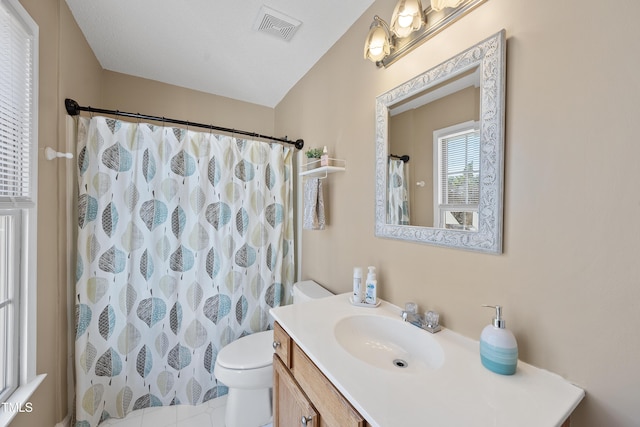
<point x="276" y="23"/>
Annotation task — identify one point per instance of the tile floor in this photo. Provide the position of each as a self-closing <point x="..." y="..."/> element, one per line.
<point x="209" y="414"/>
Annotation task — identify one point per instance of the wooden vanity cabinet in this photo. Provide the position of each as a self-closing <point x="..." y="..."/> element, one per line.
<point x="290" y="404"/>
<point x="303" y="396"/>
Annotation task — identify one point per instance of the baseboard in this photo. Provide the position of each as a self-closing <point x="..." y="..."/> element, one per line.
<point x="65" y="423"/>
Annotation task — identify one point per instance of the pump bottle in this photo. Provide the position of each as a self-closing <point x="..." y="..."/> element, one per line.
<point x="324" y="159"/>
<point x="371" y="287"/>
<point x="498" y="346"/>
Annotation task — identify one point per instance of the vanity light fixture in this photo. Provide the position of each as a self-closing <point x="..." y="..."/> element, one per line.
<point x="407" y="17"/>
<point x="441" y="4"/>
<point x="410" y="26"/>
<point x="378" y="44"/>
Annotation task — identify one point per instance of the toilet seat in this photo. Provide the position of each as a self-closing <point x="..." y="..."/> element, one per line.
<point x="251" y="352"/>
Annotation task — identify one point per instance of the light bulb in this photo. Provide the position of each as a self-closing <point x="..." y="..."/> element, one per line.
<point x="405" y="20"/>
<point x="407" y="17"/>
<point x="375" y="52"/>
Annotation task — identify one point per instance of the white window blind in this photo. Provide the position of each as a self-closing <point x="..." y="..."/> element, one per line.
<point x="18" y="207"/>
<point x="16" y="100"/>
<point x="457" y="176"/>
<point x="460" y="168"/>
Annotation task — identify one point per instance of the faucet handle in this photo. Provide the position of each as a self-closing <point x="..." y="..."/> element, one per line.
<point x="432" y="318"/>
<point x="432" y="322"/>
<point x="411" y="307"/>
<point x="410" y="311"/>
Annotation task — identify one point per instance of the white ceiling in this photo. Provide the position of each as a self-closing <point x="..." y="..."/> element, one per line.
<point x="211" y="45"/>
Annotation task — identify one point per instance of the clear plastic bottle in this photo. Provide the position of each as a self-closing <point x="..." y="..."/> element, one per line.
<point x="324" y="159"/>
<point x="371" y="287"/>
<point x="358" y="288"/>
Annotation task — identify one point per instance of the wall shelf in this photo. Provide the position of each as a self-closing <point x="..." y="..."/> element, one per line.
<point x="336" y="165"/>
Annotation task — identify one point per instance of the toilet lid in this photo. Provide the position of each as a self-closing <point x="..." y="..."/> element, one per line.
<point x="249" y="352"/>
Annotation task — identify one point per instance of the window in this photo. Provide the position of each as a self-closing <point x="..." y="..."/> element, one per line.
<point x="457" y="176"/>
<point x="9" y="301"/>
<point x="18" y="195"/>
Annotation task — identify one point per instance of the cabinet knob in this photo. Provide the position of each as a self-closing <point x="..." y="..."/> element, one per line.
<point x="275" y="344"/>
<point x="306" y="420"/>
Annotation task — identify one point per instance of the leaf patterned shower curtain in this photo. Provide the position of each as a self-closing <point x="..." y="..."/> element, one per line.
<point x="397" y="193"/>
<point x="185" y="240"/>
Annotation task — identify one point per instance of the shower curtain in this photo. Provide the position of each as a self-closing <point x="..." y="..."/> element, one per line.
<point x="398" y="193"/>
<point x="185" y="240"/>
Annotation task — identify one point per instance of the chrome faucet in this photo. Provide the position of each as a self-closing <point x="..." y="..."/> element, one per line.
<point x="429" y="322"/>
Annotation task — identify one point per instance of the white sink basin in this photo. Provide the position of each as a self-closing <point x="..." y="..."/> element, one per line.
<point x="389" y="344"/>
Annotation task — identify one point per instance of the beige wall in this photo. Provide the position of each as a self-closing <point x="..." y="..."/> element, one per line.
<point x="128" y="93"/>
<point x="569" y="277"/>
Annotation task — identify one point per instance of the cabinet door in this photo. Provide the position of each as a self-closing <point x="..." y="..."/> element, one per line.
<point x="334" y="409"/>
<point x="291" y="406"/>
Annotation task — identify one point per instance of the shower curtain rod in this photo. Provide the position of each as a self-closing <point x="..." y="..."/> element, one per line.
<point x="73" y="109"/>
<point x="404" y="157"/>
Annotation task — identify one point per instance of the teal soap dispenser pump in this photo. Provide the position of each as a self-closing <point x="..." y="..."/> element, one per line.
<point x="498" y="346"/>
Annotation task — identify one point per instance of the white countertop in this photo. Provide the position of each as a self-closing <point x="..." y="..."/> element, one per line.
<point x="459" y="393"/>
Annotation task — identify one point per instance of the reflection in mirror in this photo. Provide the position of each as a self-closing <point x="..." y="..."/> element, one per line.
<point x="456" y="177"/>
<point x="447" y="126"/>
<point x="412" y="125"/>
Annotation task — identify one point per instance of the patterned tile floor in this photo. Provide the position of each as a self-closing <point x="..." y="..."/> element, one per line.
<point x="209" y="414"/>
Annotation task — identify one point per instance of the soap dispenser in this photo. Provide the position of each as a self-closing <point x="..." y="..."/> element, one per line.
<point x="370" y="296"/>
<point x="498" y="346"/>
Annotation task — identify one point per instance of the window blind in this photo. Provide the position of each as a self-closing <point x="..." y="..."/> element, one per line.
<point x="460" y="168"/>
<point x="16" y="98"/>
<point x="18" y="204"/>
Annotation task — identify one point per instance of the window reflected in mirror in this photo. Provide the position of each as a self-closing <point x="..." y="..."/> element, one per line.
<point x="457" y="176"/>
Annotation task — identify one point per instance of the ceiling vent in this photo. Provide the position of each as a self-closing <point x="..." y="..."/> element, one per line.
<point x="276" y="23"/>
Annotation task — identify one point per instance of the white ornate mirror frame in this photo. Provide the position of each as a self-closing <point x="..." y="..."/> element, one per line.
<point x="489" y="56"/>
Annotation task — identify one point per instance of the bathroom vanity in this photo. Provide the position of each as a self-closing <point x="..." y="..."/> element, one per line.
<point x="302" y="394"/>
<point x="338" y="365"/>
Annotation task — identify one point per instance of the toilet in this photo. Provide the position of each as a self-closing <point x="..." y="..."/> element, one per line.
<point x="245" y="366"/>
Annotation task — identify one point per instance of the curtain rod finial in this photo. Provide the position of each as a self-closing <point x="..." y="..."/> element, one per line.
<point x="299" y="144"/>
<point x="73" y="109"/>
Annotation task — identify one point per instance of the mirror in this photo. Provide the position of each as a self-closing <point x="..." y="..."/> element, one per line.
<point x="415" y="124"/>
<point x="439" y="153"/>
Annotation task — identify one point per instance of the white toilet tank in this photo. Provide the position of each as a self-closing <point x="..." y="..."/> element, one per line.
<point x="308" y="290"/>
